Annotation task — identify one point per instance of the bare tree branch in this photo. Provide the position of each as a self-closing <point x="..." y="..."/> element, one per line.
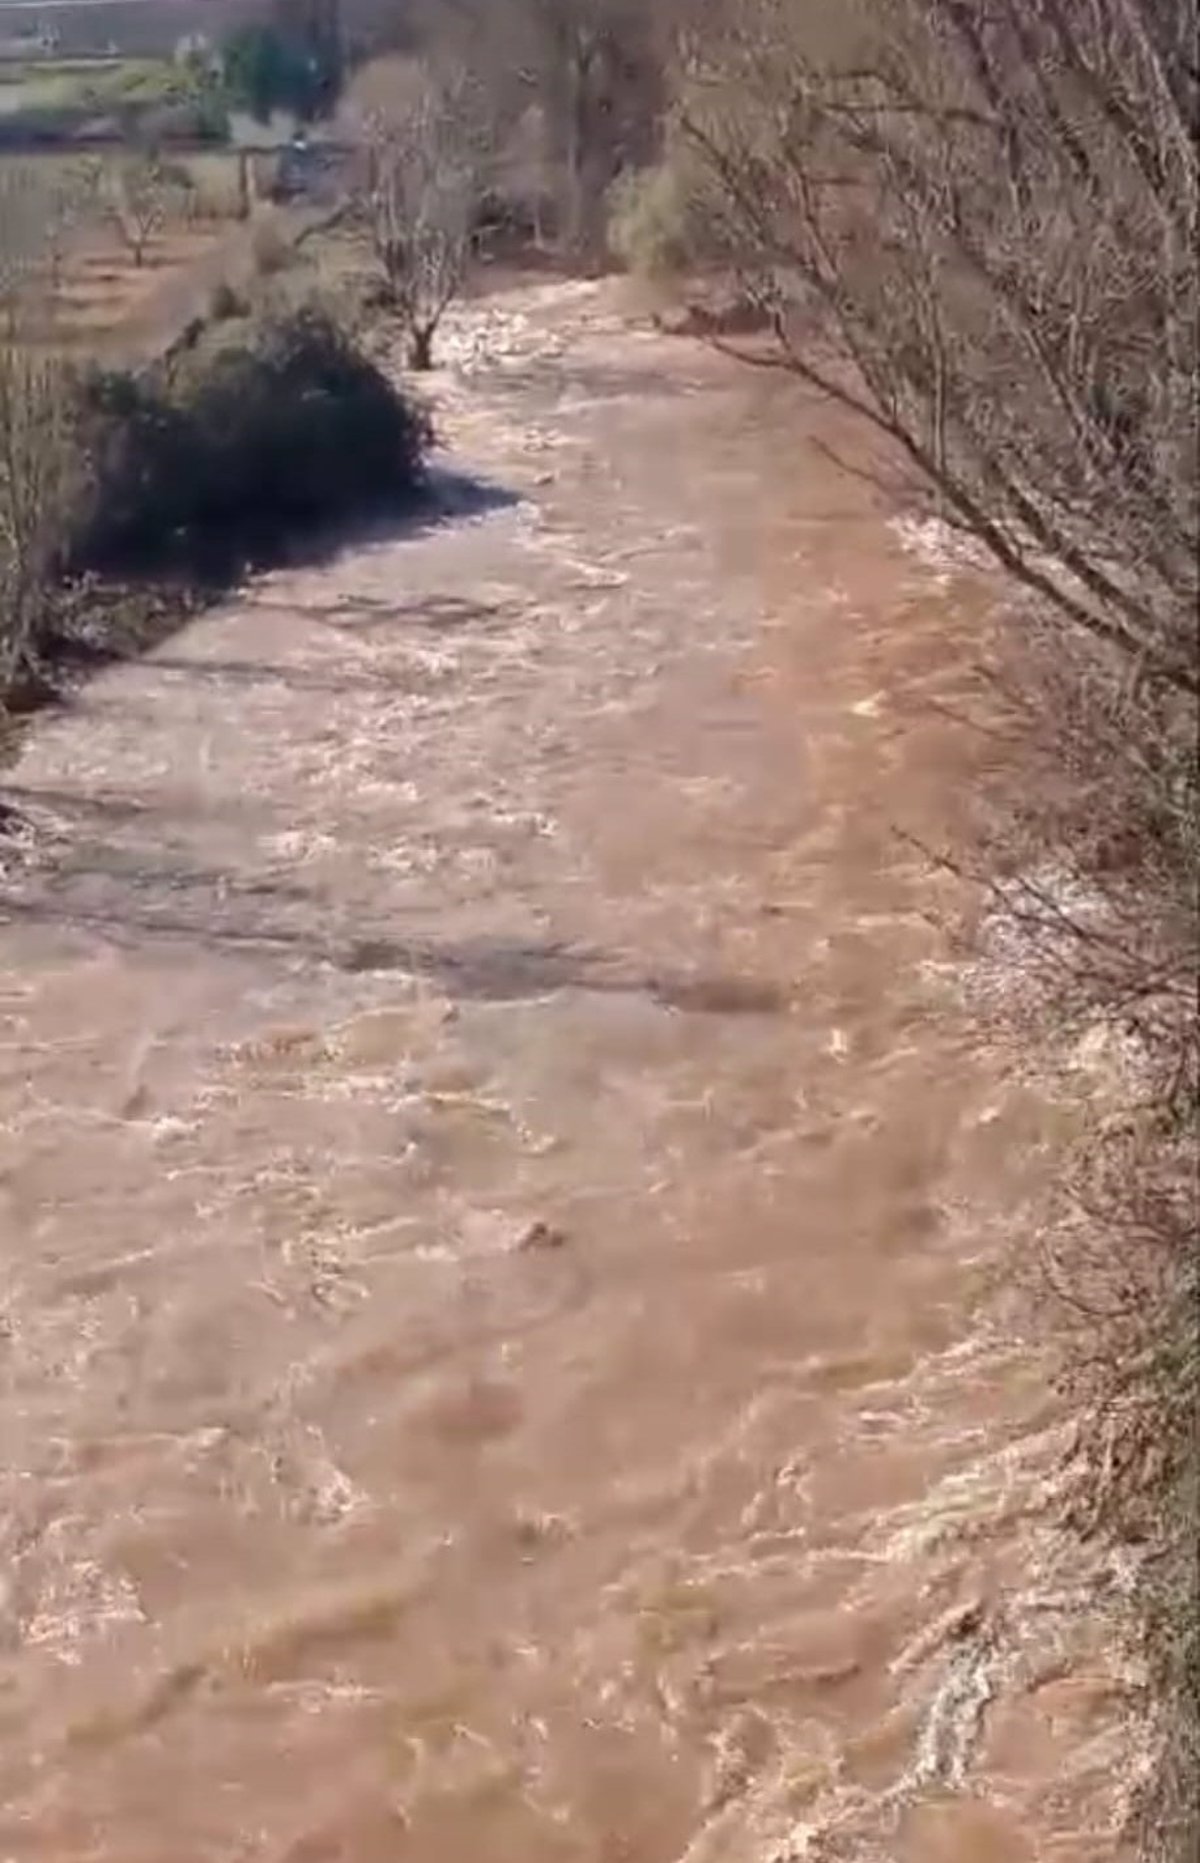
<point x="428" y="153"/>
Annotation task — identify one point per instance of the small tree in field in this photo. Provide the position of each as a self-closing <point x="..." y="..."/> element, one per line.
<point x="141" y="202"/>
<point x="427" y="152"/>
<point x="42" y="206"/>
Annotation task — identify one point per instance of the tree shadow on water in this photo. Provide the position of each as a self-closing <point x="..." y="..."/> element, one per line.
<point x="102" y="620"/>
<point x="236" y="921"/>
<point x="445" y="496"/>
<point x="505" y="970"/>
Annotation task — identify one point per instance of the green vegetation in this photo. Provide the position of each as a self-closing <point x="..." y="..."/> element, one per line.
<point x="658" y="226"/>
<point x="92" y="84"/>
<point x="264" y="73"/>
<point x="152" y="99"/>
<point x="264" y="430"/>
<point x="290" y="63"/>
<point x="259" y="430"/>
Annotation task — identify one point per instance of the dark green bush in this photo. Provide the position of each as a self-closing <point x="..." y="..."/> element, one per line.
<point x="258" y="433"/>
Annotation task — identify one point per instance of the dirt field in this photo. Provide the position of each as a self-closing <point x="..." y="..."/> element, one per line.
<point x="107" y="306"/>
<point x="58" y="218"/>
<point x="103" y="303"/>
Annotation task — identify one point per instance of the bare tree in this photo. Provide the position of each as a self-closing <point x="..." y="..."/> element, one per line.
<point x="141" y="198"/>
<point x="427" y="150"/>
<point x="976" y="226"/>
<point x="590" y="66"/>
<point x="989" y="217"/>
<point x="585" y="71"/>
<point x="42" y="207"/>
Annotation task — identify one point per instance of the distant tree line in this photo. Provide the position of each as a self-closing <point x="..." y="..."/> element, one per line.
<point x="293" y="62"/>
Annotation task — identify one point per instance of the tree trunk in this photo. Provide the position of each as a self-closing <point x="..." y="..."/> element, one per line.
<point x="574" y="155"/>
<point x="420" y="349"/>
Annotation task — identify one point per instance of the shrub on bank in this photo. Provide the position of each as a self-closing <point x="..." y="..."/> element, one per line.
<point x="668" y="220"/>
<point x="253" y="431"/>
<point x="259" y="432"/>
<point x="650" y="226"/>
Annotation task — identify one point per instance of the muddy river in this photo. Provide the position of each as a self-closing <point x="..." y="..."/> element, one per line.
<point x="501" y="1350"/>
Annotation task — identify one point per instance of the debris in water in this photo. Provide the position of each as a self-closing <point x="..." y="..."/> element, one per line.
<point x="541" y="1235"/>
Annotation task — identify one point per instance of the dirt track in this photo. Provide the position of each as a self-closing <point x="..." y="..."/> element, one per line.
<point x="500" y="1202"/>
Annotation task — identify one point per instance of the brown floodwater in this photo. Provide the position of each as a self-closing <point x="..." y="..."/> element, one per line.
<point x="502" y="1357"/>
